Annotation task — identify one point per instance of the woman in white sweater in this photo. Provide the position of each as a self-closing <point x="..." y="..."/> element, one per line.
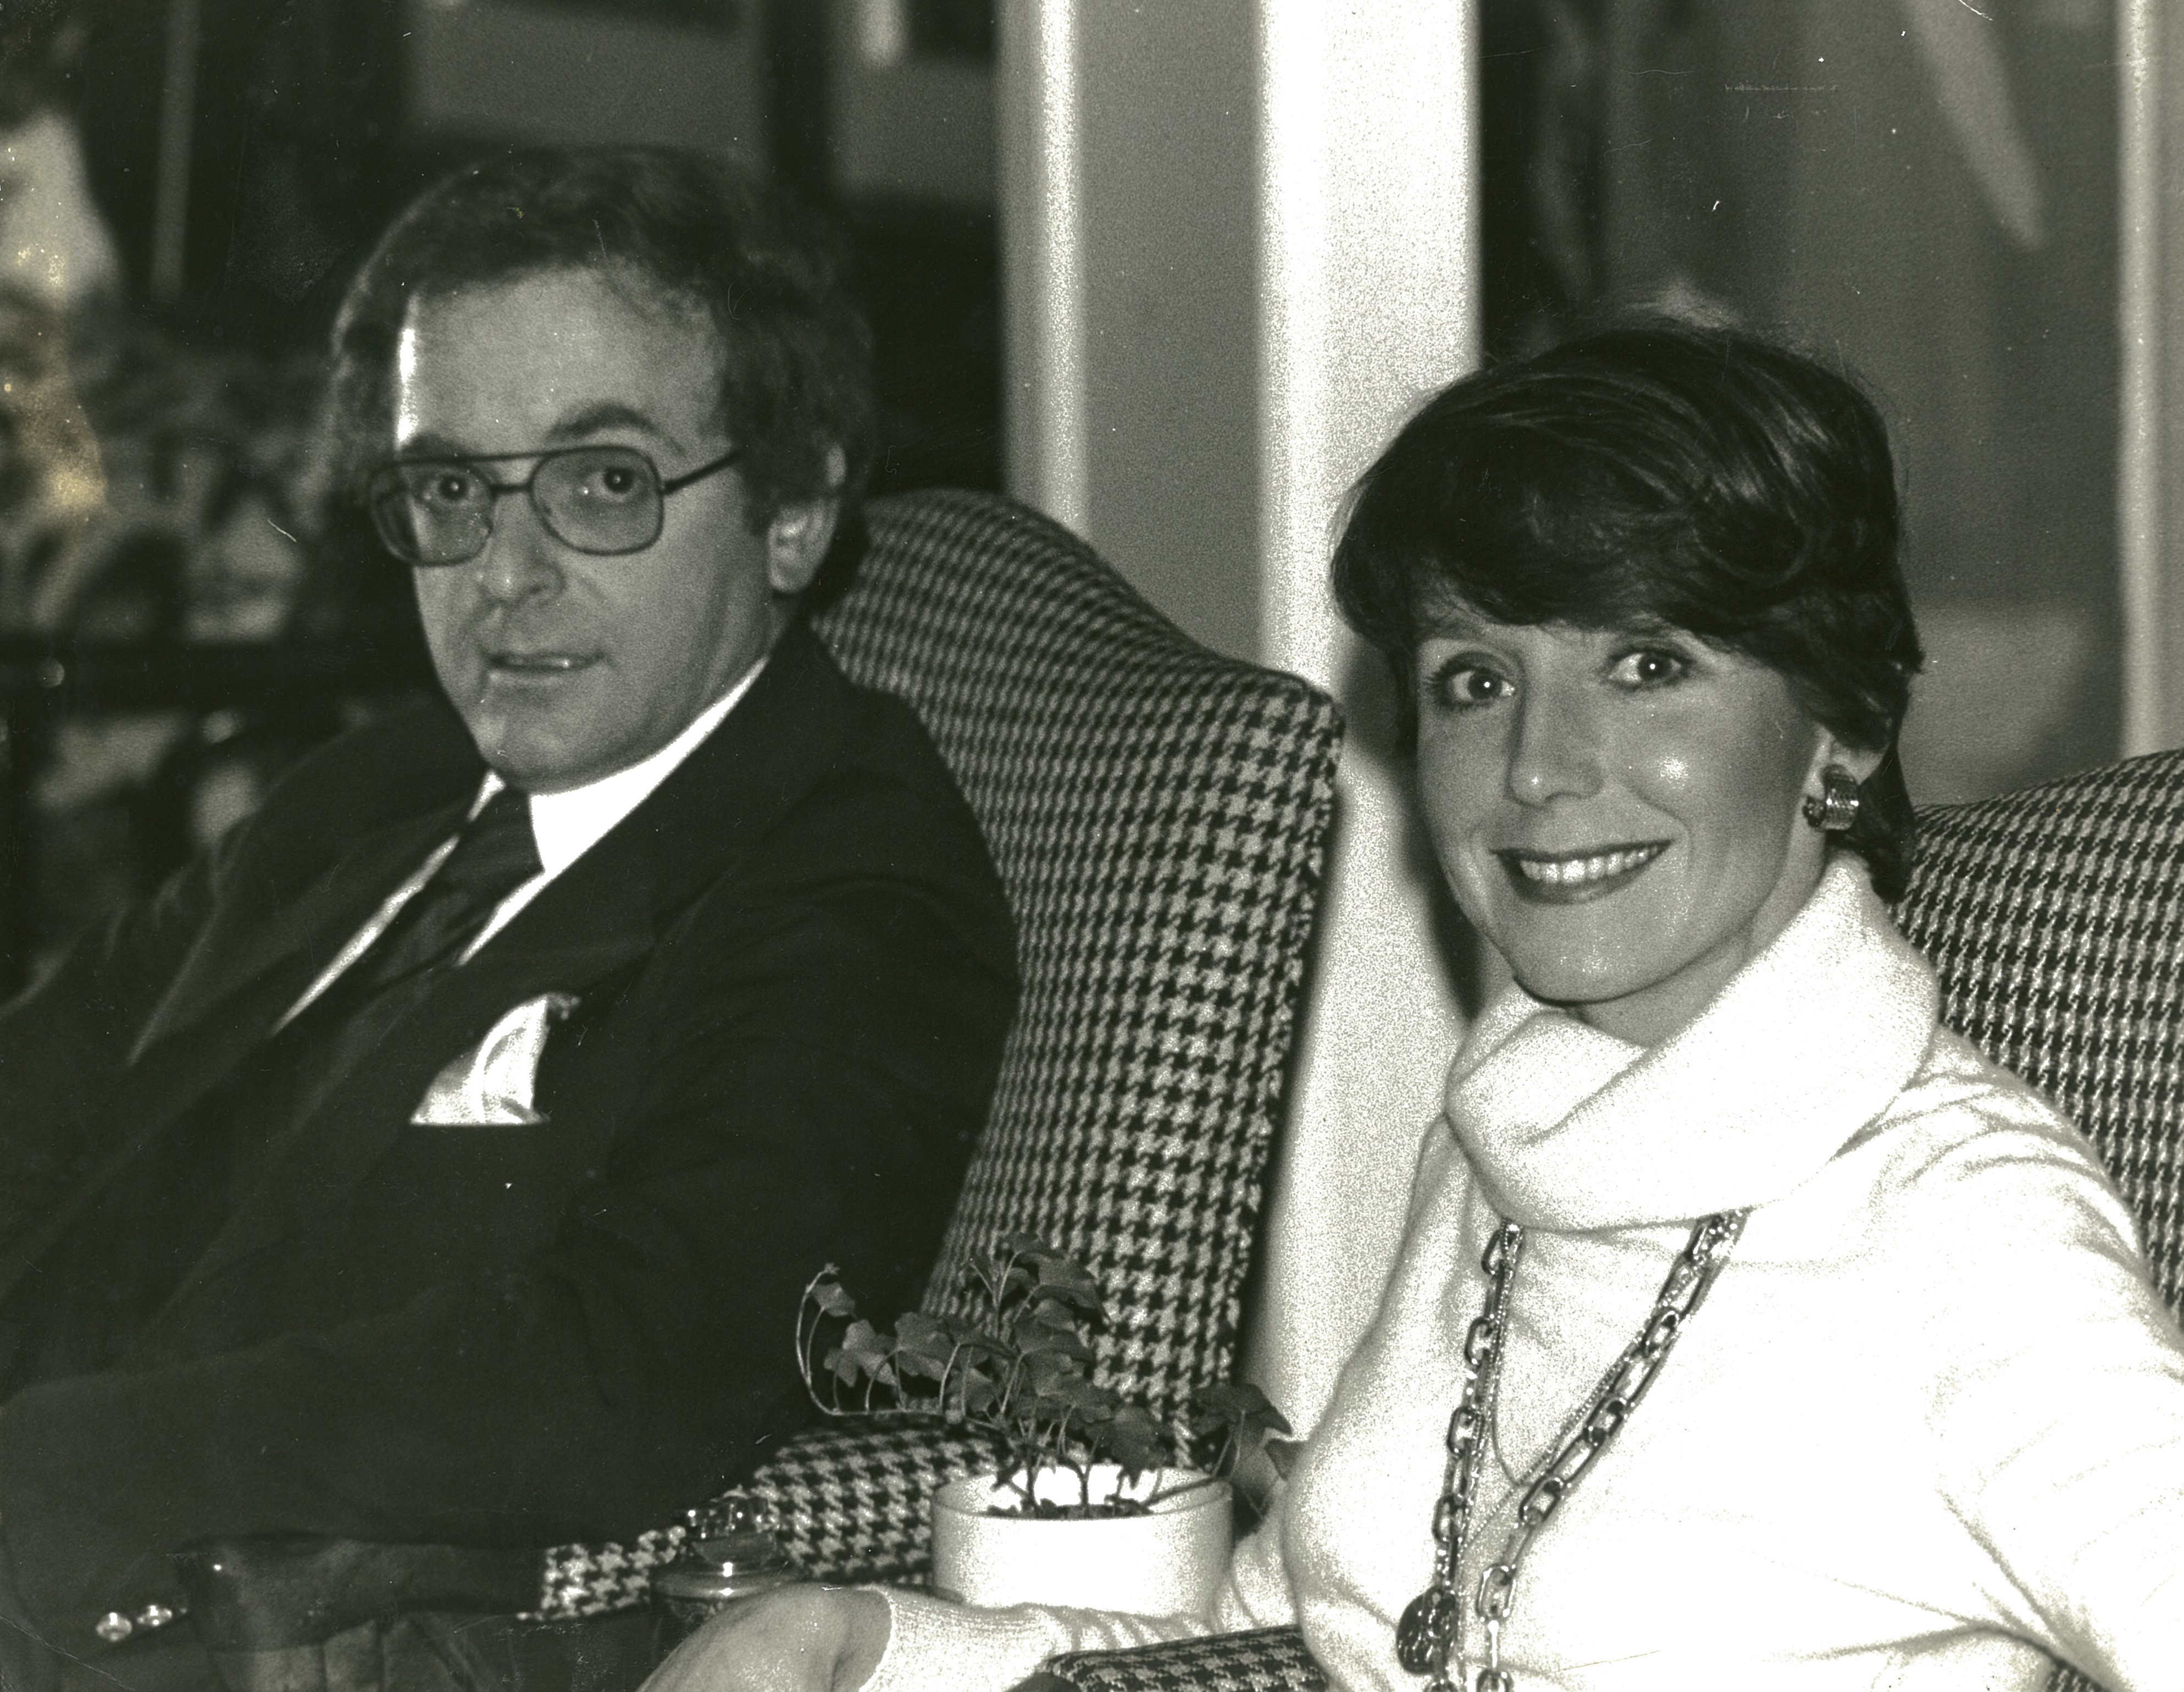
<point x="1749" y="1330"/>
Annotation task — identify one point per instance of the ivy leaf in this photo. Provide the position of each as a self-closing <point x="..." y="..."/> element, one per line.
<point x="863" y="1351"/>
<point x="984" y="1351"/>
<point x="1135" y="1440"/>
<point x="1227" y="1398"/>
<point x="1062" y="1281"/>
<point x="1240" y="1405"/>
<point x="1082" y="1399"/>
<point x="849" y="1369"/>
<point x="979" y="1393"/>
<point x="923" y="1346"/>
<point x="1036" y="1338"/>
<point x="832" y="1300"/>
<point x="1053" y="1313"/>
<point x="962" y="1330"/>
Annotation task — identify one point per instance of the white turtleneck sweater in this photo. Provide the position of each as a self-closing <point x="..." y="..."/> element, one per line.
<point x="1927" y="1430"/>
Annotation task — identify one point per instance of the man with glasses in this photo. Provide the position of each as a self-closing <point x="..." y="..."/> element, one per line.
<point x="441" y="1160"/>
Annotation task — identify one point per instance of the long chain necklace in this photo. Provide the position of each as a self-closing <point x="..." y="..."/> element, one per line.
<point x="1431" y="1630"/>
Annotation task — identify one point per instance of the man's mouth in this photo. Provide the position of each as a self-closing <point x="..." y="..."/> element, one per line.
<point x="543" y="665"/>
<point x="1572" y="878"/>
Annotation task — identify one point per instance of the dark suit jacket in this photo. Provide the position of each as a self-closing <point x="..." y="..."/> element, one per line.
<point x="793" y="967"/>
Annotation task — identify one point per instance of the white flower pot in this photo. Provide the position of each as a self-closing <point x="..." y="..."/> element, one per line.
<point x="1168" y="1562"/>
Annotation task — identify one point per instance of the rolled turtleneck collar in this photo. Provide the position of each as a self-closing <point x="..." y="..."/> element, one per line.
<point x="1575" y="1131"/>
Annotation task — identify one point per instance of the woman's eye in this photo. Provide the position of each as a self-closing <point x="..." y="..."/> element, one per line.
<point x="1650" y="666"/>
<point x="1464" y="687"/>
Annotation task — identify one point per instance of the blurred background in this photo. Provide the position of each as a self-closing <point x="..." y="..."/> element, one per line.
<point x="1925" y="192"/>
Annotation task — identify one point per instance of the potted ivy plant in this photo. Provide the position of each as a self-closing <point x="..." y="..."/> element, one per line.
<point x="1091" y="1500"/>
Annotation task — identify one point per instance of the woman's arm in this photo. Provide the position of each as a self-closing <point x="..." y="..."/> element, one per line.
<point x="2057" y="1412"/>
<point x="798" y="1638"/>
<point x="816" y="1639"/>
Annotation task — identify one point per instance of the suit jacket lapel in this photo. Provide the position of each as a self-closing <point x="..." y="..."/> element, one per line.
<point x="241" y="945"/>
<point x="305" y="880"/>
<point x="605" y="911"/>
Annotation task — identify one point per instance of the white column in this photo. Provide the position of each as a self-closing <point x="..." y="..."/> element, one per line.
<point x="1369" y="302"/>
<point x="1038" y="143"/>
<point x="2151" y="462"/>
<point x="1238" y="248"/>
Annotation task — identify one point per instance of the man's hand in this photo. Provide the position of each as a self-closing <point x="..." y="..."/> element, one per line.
<point x="796" y="1638"/>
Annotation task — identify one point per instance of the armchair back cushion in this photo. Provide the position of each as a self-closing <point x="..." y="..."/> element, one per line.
<point x="1158" y="815"/>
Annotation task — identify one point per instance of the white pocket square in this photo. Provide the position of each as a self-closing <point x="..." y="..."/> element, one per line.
<point x="491" y="1085"/>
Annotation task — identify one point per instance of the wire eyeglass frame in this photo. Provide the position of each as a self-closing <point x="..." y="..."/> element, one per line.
<point x="392" y="509"/>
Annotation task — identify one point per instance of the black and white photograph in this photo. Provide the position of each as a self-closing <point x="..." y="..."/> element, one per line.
<point x="1091" y="845"/>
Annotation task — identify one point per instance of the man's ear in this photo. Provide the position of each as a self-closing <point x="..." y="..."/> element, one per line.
<point x="797" y="539"/>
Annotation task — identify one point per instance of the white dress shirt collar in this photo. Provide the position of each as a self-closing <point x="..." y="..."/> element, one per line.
<point x="566" y="825"/>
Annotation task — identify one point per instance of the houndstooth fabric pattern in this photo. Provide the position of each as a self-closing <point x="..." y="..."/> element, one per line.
<point x="1158" y="815"/>
<point x="1267" y="1659"/>
<point x="2056" y="919"/>
<point x="852" y="1501"/>
<point x="592" y="1580"/>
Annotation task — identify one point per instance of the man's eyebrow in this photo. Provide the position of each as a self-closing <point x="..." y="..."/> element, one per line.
<point x="607" y="414"/>
<point x="578" y="426"/>
<point x="429" y="445"/>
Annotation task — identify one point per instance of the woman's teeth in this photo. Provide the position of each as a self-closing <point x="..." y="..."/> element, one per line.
<point x="1576" y="872"/>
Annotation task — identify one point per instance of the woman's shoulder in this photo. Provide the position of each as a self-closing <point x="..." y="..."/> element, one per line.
<point x="1968" y="1150"/>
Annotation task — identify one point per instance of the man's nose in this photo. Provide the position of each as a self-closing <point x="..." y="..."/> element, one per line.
<point x="1555" y="749"/>
<point x="518" y="562"/>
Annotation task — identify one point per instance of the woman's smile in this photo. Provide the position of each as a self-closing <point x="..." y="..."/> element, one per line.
<point x="1574" y="878"/>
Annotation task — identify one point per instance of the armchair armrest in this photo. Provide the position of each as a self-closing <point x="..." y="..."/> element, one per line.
<point x="852" y="1502"/>
<point x="1267" y="1660"/>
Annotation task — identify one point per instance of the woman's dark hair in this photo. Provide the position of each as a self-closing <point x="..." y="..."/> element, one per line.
<point x="772" y="278"/>
<point x="1657" y="472"/>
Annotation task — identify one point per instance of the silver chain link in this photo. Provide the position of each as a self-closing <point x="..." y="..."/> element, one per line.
<point x="1431" y="1631"/>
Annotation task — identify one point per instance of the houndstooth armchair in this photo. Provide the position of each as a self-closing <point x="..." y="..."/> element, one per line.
<point x="2056" y="917"/>
<point x="1158" y="815"/>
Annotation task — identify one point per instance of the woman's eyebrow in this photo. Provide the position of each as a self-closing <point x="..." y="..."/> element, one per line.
<point x="1452" y="626"/>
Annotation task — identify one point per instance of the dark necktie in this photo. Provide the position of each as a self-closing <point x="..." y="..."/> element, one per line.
<point x="494" y="854"/>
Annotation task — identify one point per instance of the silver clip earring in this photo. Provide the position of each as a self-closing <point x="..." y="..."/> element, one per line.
<point x="1835" y="808"/>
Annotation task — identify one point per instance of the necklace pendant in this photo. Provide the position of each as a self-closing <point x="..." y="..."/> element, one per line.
<point x="1428" y="1630"/>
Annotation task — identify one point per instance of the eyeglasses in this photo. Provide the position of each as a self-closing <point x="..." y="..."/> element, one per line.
<point x="601" y="500"/>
